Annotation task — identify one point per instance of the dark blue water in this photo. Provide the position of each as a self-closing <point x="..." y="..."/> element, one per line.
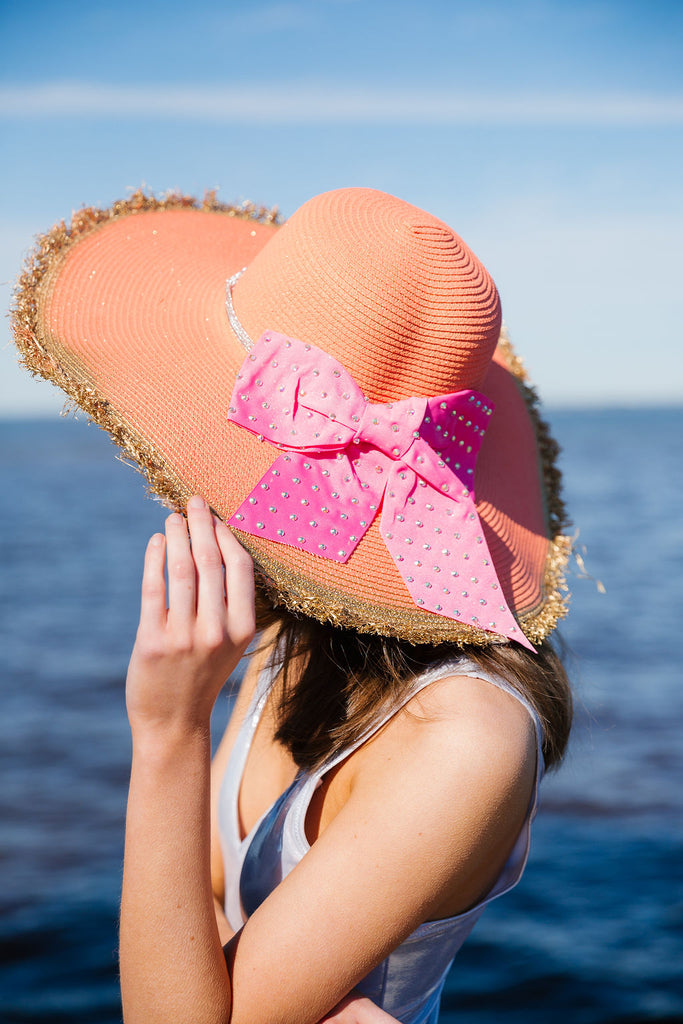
<point x="594" y="933"/>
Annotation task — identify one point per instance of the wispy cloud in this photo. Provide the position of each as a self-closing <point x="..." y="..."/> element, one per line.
<point x="324" y="104"/>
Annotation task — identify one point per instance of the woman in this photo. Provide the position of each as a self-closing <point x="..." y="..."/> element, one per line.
<point x="354" y="421"/>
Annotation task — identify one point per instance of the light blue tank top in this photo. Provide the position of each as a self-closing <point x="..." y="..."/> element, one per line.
<point x="408" y="983"/>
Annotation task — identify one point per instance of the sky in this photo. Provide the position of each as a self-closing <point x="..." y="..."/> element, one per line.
<point x="548" y="133"/>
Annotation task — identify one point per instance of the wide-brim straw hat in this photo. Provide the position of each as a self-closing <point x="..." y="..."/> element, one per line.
<point x="125" y="310"/>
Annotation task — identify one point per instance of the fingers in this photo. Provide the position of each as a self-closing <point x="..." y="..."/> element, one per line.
<point x="182" y="596"/>
<point x="153" y="599"/>
<point x="208" y="560"/>
<point x="239" y="585"/>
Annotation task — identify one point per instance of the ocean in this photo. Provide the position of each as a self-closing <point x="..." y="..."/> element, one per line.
<point x="594" y="932"/>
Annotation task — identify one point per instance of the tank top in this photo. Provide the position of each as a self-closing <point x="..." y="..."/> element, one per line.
<point x="408" y="983"/>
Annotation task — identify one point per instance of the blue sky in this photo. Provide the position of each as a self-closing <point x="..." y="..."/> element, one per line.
<point x="549" y="134"/>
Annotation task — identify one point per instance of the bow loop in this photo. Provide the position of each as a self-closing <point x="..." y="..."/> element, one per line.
<point x="342" y="459"/>
<point x="392" y="428"/>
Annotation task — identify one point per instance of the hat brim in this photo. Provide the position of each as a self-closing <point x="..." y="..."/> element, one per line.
<point x="125" y="311"/>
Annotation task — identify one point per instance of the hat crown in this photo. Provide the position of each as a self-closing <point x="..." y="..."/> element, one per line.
<point x="387" y="289"/>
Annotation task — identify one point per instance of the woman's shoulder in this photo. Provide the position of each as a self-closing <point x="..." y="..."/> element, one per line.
<point x="458" y="717"/>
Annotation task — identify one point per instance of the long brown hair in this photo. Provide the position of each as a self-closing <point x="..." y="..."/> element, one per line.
<point x="336" y="682"/>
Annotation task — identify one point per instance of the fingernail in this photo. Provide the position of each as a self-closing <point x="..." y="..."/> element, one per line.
<point x="196" y="502"/>
<point x="156" y="540"/>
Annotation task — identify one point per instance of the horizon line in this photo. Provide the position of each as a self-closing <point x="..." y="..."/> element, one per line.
<point x="316" y="103"/>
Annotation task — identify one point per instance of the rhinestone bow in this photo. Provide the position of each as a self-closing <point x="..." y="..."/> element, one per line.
<point x="343" y="459"/>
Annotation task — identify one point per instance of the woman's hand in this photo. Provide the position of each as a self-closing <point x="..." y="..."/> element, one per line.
<point x="356" y="1009"/>
<point x="184" y="652"/>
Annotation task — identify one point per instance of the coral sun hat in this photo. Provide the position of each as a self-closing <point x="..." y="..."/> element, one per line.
<point x="347" y="403"/>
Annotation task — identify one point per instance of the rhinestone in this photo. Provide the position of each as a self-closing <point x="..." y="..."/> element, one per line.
<point x="232" y="410"/>
<point x="273" y="362"/>
<point x="353" y="537"/>
<point x="313" y="523"/>
<point x="355" y="418"/>
<point x="446" y="590"/>
<point x="354" y="501"/>
<point x="492" y="625"/>
<point x="457" y="611"/>
<point x="285" y="494"/>
<point x="363" y="522"/>
<point x="378" y="469"/>
<point x="482" y="600"/>
<point x="265" y="487"/>
<point x="252" y="418"/>
<point x="445" y="551"/>
<point x="437" y="529"/>
<point x="294" y="517"/>
<point x="280" y="533"/>
<point x="314" y="487"/>
<point x="344" y="515"/>
<point x="304" y="501"/>
<point x="430" y="508"/>
<point x="494" y="586"/>
<point x="307" y="465"/>
<point x="465" y="556"/>
<point x="302" y="540"/>
<point x="428" y="585"/>
<point x="443" y="406"/>
<point x="390" y="536"/>
<point x="420" y="601"/>
<point x="252" y="501"/>
<point x="411" y="501"/>
<point x="261" y="526"/>
<point x="395" y="451"/>
<point x="409" y="579"/>
<point x="438" y="608"/>
<point x="454" y="572"/>
<point x="419" y="522"/>
<point x="296" y="480"/>
<point x="465" y="593"/>
<point x="326" y="472"/>
<point x="418" y="563"/>
<point x="408" y="540"/>
<point x="272" y="426"/>
<point x="259" y="437"/>
<point x="288" y="458"/>
<point x="239" y="516"/>
<point x="341" y="553"/>
<point x="444" y="487"/>
<point x="272" y="508"/>
<point x="400" y="518"/>
<point x="400" y="558"/>
<point x="259" y="382"/>
<point x="416" y="433"/>
<point x="322" y="547"/>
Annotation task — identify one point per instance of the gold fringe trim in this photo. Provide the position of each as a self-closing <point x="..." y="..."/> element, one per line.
<point x="278" y="584"/>
<point x="43" y="360"/>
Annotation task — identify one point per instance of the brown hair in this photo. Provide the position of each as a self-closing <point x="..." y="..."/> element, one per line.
<point x="336" y="682"/>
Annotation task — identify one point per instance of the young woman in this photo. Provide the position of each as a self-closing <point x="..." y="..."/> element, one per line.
<point x="353" y="421"/>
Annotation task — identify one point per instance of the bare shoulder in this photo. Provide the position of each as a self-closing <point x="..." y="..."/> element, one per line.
<point x="456" y="768"/>
<point x="464" y="722"/>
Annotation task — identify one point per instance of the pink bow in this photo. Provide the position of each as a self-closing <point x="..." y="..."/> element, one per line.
<point x="344" y="458"/>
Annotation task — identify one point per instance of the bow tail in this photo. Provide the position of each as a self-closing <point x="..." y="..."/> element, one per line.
<point x="439" y="548"/>
<point x="312" y="502"/>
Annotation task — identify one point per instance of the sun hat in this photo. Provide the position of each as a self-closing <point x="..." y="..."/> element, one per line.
<point x="338" y="387"/>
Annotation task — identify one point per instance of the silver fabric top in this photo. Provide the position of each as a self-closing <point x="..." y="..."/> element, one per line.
<point x="408" y="983"/>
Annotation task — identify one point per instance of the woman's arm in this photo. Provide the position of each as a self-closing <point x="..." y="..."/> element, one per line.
<point x="172" y="963"/>
<point x="410" y="832"/>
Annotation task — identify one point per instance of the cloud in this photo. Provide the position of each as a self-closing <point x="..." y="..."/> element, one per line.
<point x="328" y="104"/>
